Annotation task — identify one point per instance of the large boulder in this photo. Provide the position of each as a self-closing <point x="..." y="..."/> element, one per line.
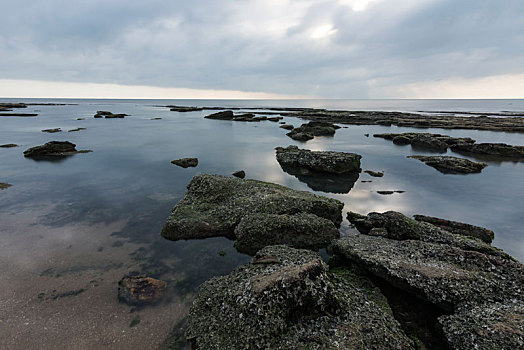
<point x="477" y="286"/>
<point x="496" y="150"/>
<point x="459" y="228"/>
<point x="286" y="299"/>
<point x="451" y="165"/>
<point x="214" y="205"/>
<point x="255" y="231"/>
<point x="319" y="161"/>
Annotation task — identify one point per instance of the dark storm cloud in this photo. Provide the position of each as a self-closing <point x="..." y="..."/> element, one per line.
<point x="273" y="46"/>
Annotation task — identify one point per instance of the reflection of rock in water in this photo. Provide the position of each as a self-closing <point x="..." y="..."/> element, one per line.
<point x="324" y="182"/>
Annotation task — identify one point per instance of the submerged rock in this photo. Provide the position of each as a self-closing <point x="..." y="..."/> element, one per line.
<point x="498" y="150"/>
<point x="319" y="161"/>
<point x="310" y="130"/>
<point x="291" y="302"/>
<point x="137" y="290"/>
<point x="185" y="162"/>
<point x="52" y="149"/>
<point x="240" y="174"/>
<point x="472" y="282"/>
<point x="214" y="205"/>
<point x="255" y="231"/>
<point x="458" y="228"/>
<point x="451" y="165"/>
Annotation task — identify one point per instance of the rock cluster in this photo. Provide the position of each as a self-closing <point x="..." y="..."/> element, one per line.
<point x="435" y="142"/>
<point x="309" y="130"/>
<point x="286" y="298"/>
<point x="451" y="165"/>
<point x="246" y="117"/>
<point x="477" y="287"/>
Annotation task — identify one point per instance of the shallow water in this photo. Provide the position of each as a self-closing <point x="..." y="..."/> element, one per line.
<point x="96" y="216"/>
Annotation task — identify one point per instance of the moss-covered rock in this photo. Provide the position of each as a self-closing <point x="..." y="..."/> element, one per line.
<point x="214" y="205"/>
<point x="301" y="230"/>
<point x="291" y="302"/>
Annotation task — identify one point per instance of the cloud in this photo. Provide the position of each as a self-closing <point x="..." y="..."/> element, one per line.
<point x="342" y="49"/>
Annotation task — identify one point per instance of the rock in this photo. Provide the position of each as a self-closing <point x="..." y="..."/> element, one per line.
<point x="186" y="162"/>
<point x="77" y="129"/>
<point x="389" y="192"/>
<point x="498" y="150"/>
<point x="287" y="126"/>
<point x="308" y="131"/>
<point x="274" y="119"/>
<point x="477" y="287"/>
<point x="300" y="136"/>
<point x="319" y="161"/>
<point x="18" y="114"/>
<point x="451" y="165"/>
<point x="82" y="118"/>
<point x="4" y="185"/>
<point x="240" y="174"/>
<point x="374" y="173"/>
<point x="52" y="130"/>
<point x="458" y="228"/>
<point x="225" y="115"/>
<point x="291" y="302"/>
<point x="214" y="205"/>
<point x="8" y="145"/>
<point x="184" y="109"/>
<point x="108" y="115"/>
<point x="52" y="149"/>
<point x="255" y="231"/>
<point x="137" y="290"/>
<point x="426" y="141"/>
<point x="156" y="118"/>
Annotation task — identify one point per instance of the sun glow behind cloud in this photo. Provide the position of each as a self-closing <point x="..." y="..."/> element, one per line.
<point x="322" y="31"/>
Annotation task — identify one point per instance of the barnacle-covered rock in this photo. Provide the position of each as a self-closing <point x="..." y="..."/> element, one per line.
<point x="286" y="299"/>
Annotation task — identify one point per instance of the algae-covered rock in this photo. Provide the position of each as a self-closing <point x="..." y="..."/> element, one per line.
<point x="319" y="161"/>
<point x="301" y="230"/>
<point x="286" y="299"/>
<point x="459" y="228"/>
<point x="4" y="185"/>
<point x="214" y="205"/>
<point x="451" y="165"/>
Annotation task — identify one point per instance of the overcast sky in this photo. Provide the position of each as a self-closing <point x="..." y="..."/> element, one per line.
<point x="206" y="48"/>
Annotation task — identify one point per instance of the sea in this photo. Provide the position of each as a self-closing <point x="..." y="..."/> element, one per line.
<point x="71" y="228"/>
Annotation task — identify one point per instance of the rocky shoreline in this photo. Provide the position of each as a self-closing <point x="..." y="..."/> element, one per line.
<point x="287" y="298"/>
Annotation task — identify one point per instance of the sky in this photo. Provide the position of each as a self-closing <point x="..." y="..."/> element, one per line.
<point x="262" y="49"/>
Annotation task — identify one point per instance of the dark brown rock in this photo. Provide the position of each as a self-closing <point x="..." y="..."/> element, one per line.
<point x="137" y="290"/>
<point x="186" y="162"/>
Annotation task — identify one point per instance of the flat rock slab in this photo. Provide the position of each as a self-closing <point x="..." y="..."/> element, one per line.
<point x="319" y="161"/>
<point x="374" y="173"/>
<point x="286" y="299"/>
<point x="8" y="145"/>
<point x="451" y="165"/>
<point x="497" y="150"/>
<point x="109" y="115"/>
<point x="185" y="162"/>
<point x="435" y="142"/>
<point x="138" y="290"/>
<point x="214" y="205"/>
<point x="459" y="228"/>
